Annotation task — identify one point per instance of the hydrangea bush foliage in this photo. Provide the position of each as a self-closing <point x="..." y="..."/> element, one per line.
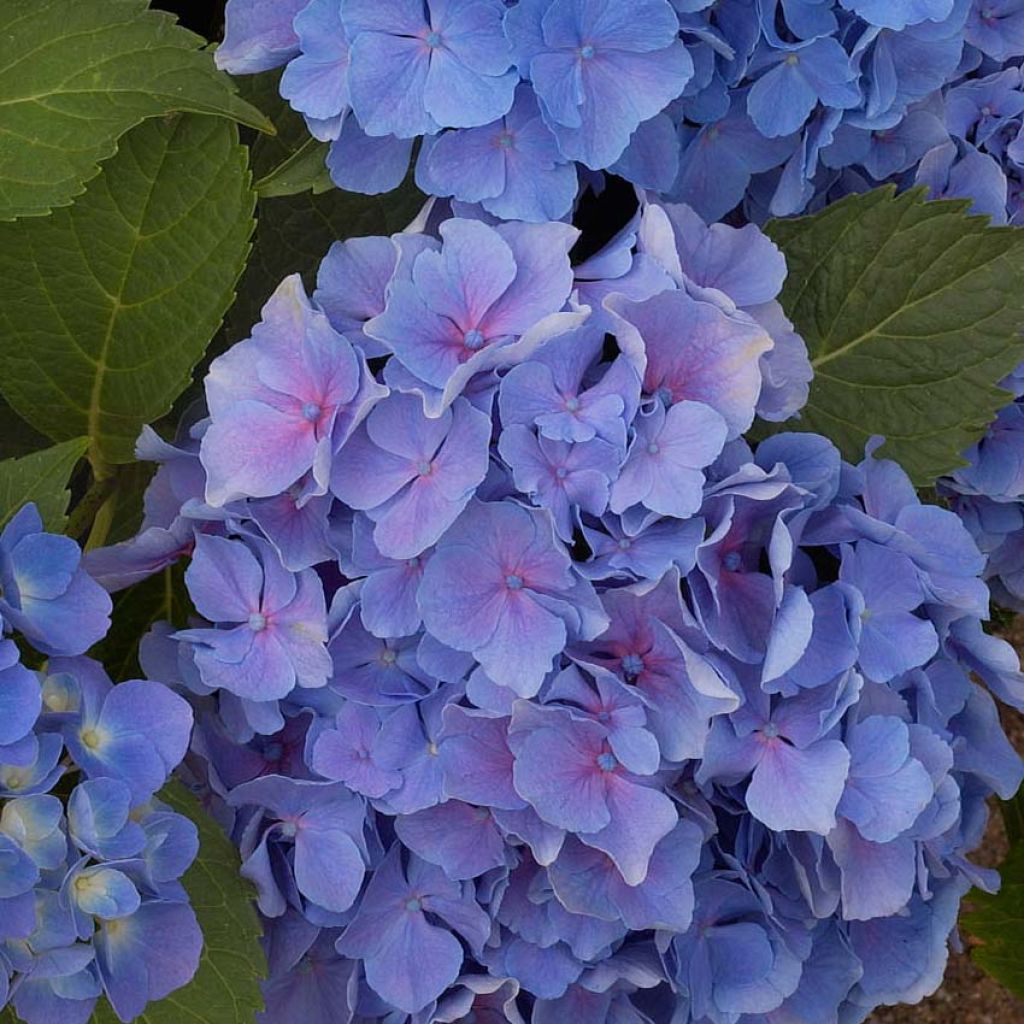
<point x="572" y="598"/>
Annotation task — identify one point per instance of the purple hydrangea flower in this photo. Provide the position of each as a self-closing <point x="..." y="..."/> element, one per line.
<point x="486" y="298"/>
<point x="282" y="402"/>
<point x="258" y="35"/>
<point x="501" y="587"/>
<point x="566" y="770"/>
<point x="304" y="841"/>
<point x="671" y="446"/>
<point x="272" y="624"/>
<point x="717" y="364"/>
<point x="391" y="930"/>
<point x="512" y="167"/>
<point x="413" y="475"/>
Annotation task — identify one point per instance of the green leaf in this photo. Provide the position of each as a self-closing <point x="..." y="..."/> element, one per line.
<point x="16" y="436"/>
<point x="911" y="311"/>
<point x="295" y="233"/>
<point x="995" y="925"/>
<point x="106" y="306"/>
<point x="302" y="171"/>
<point x="290" y="132"/>
<point x="75" y="75"/>
<point x="225" y="989"/>
<point x="41" y="477"/>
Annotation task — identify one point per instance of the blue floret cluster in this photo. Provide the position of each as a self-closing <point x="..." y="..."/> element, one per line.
<point x="778" y="105"/>
<point x="90" y="902"/>
<point x="525" y="686"/>
<point x="988" y="494"/>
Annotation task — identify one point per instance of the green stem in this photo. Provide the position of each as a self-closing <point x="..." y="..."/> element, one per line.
<point x="82" y="518"/>
<point x="102" y="523"/>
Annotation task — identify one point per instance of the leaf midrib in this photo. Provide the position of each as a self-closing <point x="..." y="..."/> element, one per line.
<point x="96" y="392"/>
<point x="879" y="327"/>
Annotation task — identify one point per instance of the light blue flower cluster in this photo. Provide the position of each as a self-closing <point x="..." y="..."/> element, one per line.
<point x="988" y="495"/>
<point x="525" y="687"/>
<point x="90" y="902"/>
<point x="776" y="104"/>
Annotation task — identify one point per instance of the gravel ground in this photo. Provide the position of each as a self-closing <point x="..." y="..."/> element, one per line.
<point x="968" y="995"/>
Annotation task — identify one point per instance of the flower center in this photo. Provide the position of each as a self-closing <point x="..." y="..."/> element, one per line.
<point x="289" y="829"/>
<point x="625" y="544"/>
<point x="665" y="396"/>
<point x="606" y="762"/>
<point x="90" y="738"/>
<point x="311" y="412"/>
<point x="414" y="905"/>
<point x="506" y="140"/>
<point x="433" y="39"/>
<point x="732" y="561"/>
<point x="632" y="666"/>
<point x="388" y="657"/>
<point x="561" y="472"/>
<point x="792" y="59"/>
<point x="257" y="622"/>
<point x="514" y="582"/>
<point x="572" y="404"/>
<point x="587" y="52"/>
<point x="474" y="339"/>
<point x="770" y="731"/>
<point x="424" y="468"/>
<point x="653" y="448"/>
<point x="273" y="752"/>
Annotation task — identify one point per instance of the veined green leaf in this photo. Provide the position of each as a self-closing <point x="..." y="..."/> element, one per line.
<point x="41" y="477"/>
<point x="106" y="306"/>
<point x="996" y="925"/>
<point x="912" y="313"/>
<point x="75" y="75"/>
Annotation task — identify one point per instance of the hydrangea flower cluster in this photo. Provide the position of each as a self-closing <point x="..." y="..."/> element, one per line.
<point x="90" y="902"/>
<point x="526" y="688"/>
<point x="777" y="105"/>
<point x="988" y="495"/>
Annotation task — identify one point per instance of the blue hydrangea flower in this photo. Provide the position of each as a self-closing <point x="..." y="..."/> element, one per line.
<point x="901" y="13"/>
<point x="137" y="732"/>
<point x="599" y="69"/>
<point x="996" y="27"/>
<point x="416" y="68"/>
<point x="46" y="595"/>
<point x="781" y="100"/>
<point x="513" y="167"/>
